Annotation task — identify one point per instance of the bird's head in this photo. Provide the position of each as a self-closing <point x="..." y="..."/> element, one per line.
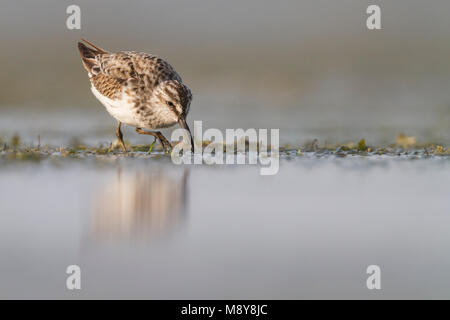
<point x="173" y="99"/>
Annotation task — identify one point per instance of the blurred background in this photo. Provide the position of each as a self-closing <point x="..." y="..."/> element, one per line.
<point x="310" y="68"/>
<point x="141" y="227"/>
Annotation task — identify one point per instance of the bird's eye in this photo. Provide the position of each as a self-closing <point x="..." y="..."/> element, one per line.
<point x="170" y="103"/>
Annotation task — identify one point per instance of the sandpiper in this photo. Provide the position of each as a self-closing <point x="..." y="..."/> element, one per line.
<point x="137" y="89"/>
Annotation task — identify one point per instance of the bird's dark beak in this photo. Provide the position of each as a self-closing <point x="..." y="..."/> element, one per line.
<point x="183" y="124"/>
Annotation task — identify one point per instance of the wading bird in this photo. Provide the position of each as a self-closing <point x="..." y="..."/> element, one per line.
<point x="137" y="89"/>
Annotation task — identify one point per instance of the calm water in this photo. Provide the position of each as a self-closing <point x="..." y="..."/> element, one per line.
<point x="145" y="228"/>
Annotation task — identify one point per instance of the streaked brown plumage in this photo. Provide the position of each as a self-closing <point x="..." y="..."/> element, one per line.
<point x="138" y="89"/>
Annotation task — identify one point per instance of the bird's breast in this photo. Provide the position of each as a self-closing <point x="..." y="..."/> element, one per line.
<point x="121" y="108"/>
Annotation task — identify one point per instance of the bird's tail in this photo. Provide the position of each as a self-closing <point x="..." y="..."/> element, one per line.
<point x="88" y="55"/>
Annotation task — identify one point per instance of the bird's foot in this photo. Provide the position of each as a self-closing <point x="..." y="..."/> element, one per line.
<point x="167" y="147"/>
<point x="158" y="135"/>
<point x="116" y="144"/>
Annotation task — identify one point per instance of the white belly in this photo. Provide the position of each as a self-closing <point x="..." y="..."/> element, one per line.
<point x="122" y="109"/>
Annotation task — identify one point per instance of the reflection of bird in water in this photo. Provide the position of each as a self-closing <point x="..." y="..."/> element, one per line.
<point x="140" y="205"/>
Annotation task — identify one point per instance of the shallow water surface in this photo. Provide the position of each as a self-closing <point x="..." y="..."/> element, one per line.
<point x="143" y="228"/>
<point x="364" y="128"/>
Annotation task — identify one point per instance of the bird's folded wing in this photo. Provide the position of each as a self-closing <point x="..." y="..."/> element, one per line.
<point x="135" y="65"/>
<point x="138" y="72"/>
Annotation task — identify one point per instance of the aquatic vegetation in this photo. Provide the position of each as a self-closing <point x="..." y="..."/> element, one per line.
<point x="15" y="141"/>
<point x="404" y="147"/>
<point x="151" y="147"/>
<point x="362" y="145"/>
<point x="440" y="150"/>
<point x="405" y="141"/>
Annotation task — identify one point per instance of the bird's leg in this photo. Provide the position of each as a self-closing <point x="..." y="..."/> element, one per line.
<point x="164" y="142"/>
<point x="120" y="137"/>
